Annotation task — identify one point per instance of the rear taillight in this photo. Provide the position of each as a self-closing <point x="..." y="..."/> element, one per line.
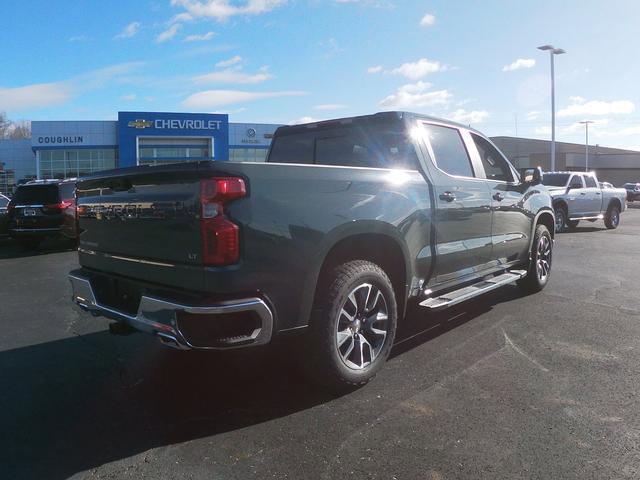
<point x="58" y="207"/>
<point x="220" y="236"/>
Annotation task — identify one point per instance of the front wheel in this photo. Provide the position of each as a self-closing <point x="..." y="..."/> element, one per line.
<point x="353" y="333"/>
<point x="612" y="218"/>
<point x="540" y="264"/>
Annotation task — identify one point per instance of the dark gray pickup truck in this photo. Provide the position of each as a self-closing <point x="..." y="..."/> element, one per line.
<point x="346" y="223"/>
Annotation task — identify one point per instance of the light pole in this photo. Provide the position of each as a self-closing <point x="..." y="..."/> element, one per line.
<point x="553" y="51"/>
<point x="586" y="143"/>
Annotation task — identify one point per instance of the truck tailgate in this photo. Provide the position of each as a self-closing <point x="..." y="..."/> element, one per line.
<point x="143" y="221"/>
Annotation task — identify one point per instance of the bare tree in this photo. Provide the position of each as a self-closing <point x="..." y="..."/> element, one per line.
<point x="13" y="130"/>
<point x="21" y="129"/>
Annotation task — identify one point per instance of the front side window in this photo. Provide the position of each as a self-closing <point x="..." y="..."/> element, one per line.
<point x="449" y="151"/>
<point x="495" y="165"/>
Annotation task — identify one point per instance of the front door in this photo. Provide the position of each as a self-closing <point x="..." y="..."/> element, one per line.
<point x="577" y="197"/>
<point x="463" y="207"/>
<point x="511" y="223"/>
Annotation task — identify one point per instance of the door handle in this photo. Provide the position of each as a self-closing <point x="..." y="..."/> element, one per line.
<point x="582" y="193"/>
<point x="597" y="193"/>
<point x="498" y="196"/>
<point x="447" y="196"/>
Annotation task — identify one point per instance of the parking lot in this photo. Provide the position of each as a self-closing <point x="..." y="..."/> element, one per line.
<point x="545" y="386"/>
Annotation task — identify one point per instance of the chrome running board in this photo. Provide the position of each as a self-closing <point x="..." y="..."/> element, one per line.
<point x="466" y="293"/>
<point x="597" y="217"/>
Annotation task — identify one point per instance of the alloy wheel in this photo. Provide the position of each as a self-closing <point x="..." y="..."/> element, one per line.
<point x="362" y="326"/>
<point x="543" y="258"/>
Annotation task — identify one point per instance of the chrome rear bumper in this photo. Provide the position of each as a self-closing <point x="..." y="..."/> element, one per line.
<point x="159" y="317"/>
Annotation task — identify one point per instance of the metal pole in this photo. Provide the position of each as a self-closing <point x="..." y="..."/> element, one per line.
<point x="553" y="116"/>
<point x="586" y="143"/>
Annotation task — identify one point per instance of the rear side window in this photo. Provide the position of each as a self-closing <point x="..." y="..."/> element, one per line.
<point x="576" y="182"/>
<point x="450" y="153"/>
<point x="36" y="195"/>
<point x="296" y="148"/>
<point x="495" y="165"/>
<point x="590" y="181"/>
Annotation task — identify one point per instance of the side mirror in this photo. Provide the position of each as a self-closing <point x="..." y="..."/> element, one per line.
<point x="531" y="176"/>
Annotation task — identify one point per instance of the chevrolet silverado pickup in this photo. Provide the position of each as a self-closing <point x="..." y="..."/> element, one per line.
<point x="347" y="223"/>
<point x="578" y="196"/>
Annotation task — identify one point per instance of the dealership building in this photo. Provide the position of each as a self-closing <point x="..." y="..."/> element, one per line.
<point x="63" y="149"/>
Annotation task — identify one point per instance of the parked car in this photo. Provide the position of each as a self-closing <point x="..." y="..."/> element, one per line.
<point x="633" y="191"/>
<point x="346" y="223"/>
<point x="41" y="209"/>
<point x="4" y="201"/>
<point x="578" y="196"/>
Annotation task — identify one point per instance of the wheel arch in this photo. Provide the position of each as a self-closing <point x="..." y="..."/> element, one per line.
<point x="375" y="241"/>
<point x="615" y="202"/>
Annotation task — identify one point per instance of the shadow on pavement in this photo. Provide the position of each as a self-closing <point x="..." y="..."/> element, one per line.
<point x="77" y="403"/>
<point x="10" y="248"/>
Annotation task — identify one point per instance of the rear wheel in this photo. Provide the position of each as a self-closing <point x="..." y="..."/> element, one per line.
<point x="612" y="218"/>
<point x="561" y="219"/>
<point x="353" y="333"/>
<point x="539" y="269"/>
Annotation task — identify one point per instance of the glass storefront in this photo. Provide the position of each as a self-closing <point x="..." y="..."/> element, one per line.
<point x="66" y="163"/>
<point x="247" y="154"/>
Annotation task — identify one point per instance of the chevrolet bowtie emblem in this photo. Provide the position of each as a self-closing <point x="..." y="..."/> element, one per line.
<point x="140" y="124"/>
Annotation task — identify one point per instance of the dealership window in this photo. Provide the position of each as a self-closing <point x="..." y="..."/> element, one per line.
<point x="62" y="163"/>
<point x="156" y="150"/>
<point x="241" y="154"/>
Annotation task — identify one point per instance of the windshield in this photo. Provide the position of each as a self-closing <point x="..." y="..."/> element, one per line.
<point x="4" y="201"/>
<point x="555" y="179"/>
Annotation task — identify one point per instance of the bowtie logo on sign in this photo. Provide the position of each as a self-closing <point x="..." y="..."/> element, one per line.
<point x="140" y="124"/>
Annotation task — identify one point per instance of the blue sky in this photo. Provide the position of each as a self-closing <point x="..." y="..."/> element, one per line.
<point x="282" y="61"/>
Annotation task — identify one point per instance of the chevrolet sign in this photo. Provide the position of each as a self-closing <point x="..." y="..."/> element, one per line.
<point x="176" y="124"/>
<point x="140" y="124"/>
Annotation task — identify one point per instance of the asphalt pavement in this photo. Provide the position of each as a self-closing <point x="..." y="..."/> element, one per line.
<point x="504" y="387"/>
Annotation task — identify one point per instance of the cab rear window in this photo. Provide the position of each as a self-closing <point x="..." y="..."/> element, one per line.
<point x="36" y="195"/>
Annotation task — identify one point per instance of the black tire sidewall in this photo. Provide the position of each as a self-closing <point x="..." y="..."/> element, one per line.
<point x="609" y="220"/>
<point x="325" y="326"/>
<point x="531" y="283"/>
<point x="563" y="212"/>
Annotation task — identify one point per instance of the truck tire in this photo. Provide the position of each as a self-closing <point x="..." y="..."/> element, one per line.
<point x="539" y="269"/>
<point x="612" y="217"/>
<point x="353" y="332"/>
<point x="561" y="218"/>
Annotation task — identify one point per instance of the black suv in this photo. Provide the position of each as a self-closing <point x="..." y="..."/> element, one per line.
<point x="42" y="209"/>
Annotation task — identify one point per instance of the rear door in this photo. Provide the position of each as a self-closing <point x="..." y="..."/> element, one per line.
<point x="463" y="206"/>
<point x="511" y="222"/>
<point x="592" y="197"/>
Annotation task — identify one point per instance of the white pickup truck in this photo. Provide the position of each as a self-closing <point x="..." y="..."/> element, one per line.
<point x="578" y="196"/>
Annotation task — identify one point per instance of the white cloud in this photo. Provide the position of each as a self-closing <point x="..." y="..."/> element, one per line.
<point x="227" y="63"/>
<point x="302" y="120"/>
<point x="330" y="106"/>
<point x="533" y="115"/>
<point x="199" y="38"/>
<point x="169" y="33"/>
<point x="210" y="99"/>
<point x="234" y="76"/>
<point x="376" y="69"/>
<point x="519" y="64"/>
<point x="129" y="97"/>
<point x="581" y="107"/>
<point x="463" y="116"/>
<point x="419" y="68"/>
<point x="38" y="95"/>
<point x="577" y="99"/>
<point x="415" y="95"/>
<point x="221" y="10"/>
<point x="428" y="20"/>
<point x="42" y="95"/>
<point x="130" y="30"/>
